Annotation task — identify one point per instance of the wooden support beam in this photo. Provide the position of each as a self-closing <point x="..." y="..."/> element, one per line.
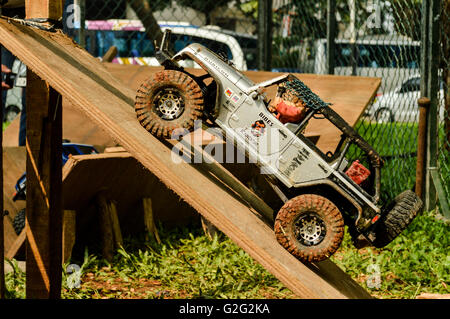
<point x="149" y="219"/>
<point x="110" y="54"/>
<point x="109" y="226"/>
<point x="68" y="234"/>
<point x="44" y="179"/>
<point x="105" y="227"/>
<point x="208" y="228"/>
<point x="46" y="9"/>
<point x="117" y="233"/>
<point x="44" y="175"/>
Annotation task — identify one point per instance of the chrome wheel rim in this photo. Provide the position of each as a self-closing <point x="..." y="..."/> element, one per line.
<point x="169" y="104"/>
<point x="309" y="229"/>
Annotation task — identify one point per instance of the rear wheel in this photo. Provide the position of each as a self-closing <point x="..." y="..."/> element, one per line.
<point x="169" y="102"/>
<point x="401" y="212"/>
<point x="310" y="227"/>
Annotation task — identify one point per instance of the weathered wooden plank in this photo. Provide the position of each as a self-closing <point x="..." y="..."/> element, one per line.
<point x="117" y="233"/>
<point x="44" y="177"/>
<point x="68" y="235"/>
<point x="106" y="227"/>
<point x="110" y="54"/>
<point x="103" y="98"/>
<point x="148" y="218"/>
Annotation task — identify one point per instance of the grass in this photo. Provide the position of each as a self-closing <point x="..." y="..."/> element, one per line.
<point x="189" y="265"/>
<point x="417" y="261"/>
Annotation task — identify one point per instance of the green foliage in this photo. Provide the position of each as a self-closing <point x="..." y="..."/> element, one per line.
<point x="250" y="8"/>
<point x="15" y="282"/>
<point x="189" y="265"/>
<point x="194" y="266"/>
<point x="205" y="7"/>
<point x="417" y="261"/>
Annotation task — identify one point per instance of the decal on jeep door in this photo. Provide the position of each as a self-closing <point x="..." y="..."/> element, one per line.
<point x="265" y="118"/>
<point x="297" y="161"/>
<point x="258" y="128"/>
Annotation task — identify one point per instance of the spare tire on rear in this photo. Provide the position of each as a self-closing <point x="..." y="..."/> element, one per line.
<point x="400" y="213"/>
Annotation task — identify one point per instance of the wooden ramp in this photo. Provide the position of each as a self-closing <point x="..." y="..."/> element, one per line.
<point x="107" y="102"/>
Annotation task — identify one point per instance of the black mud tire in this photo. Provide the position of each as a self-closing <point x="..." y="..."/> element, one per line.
<point x="401" y="212"/>
<point x="304" y="206"/>
<point x="19" y="222"/>
<point x="185" y="92"/>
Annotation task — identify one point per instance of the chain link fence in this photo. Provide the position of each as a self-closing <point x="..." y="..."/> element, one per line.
<point x="224" y="26"/>
<point x="373" y="38"/>
<point x="367" y="38"/>
<point x="444" y="96"/>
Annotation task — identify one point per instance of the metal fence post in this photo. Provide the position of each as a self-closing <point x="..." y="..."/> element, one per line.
<point x="424" y="104"/>
<point x="331" y="35"/>
<point x="424" y="49"/>
<point x="432" y="43"/>
<point x="264" y="34"/>
<point x="2" y="243"/>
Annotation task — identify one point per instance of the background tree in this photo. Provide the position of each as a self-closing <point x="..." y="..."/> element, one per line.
<point x="204" y="6"/>
<point x="144" y="11"/>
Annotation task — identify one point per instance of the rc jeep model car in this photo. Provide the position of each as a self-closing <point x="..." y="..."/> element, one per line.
<point x="321" y="192"/>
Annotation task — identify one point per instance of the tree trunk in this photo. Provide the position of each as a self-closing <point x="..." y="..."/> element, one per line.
<point x="145" y="14"/>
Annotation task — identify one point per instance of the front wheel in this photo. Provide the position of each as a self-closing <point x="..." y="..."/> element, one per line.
<point x="169" y="102"/>
<point x="310" y="227"/>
